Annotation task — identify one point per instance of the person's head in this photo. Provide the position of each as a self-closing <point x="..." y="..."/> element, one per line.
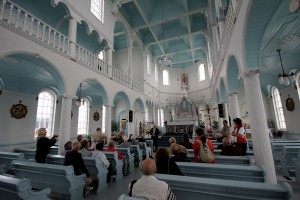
<point x="238" y="122"/>
<point x="99" y="146"/>
<point x="42" y="132"/>
<point x="111" y="144"/>
<point x="98" y="129"/>
<point x="172" y="140"/>
<point x="125" y="138"/>
<point x="148" y="167"/>
<point x="68" y="145"/>
<point x="161" y="154"/>
<point x="199" y="132"/>
<point x="133" y="138"/>
<point x="174" y="147"/>
<point x="76" y="146"/>
<point x="225" y="123"/>
<point x="154" y="126"/>
<point x="84" y="144"/>
<point x="185" y="137"/>
<point x="226" y="142"/>
<point x="79" y="138"/>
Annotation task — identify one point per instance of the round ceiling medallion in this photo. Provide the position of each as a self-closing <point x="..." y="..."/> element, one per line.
<point x="294" y="6"/>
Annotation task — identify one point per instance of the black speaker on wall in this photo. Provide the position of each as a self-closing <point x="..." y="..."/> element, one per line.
<point x="221" y="111"/>
<point x="130" y="116"/>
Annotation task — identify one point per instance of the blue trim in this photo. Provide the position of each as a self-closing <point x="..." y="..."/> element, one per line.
<point x="19" y="143"/>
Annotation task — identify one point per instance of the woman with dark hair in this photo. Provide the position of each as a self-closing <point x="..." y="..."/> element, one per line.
<point x="85" y="149"/>
<point x="186" y="141"/>
<point x="240" y="133"/>
<point x="165" y="164"/>
<point x="201" y="145"/>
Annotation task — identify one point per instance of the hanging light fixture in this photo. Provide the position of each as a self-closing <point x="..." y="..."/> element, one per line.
<point x="78" y="100"/>
<point x="284" y="78"/>
<point x="165" y="60"/>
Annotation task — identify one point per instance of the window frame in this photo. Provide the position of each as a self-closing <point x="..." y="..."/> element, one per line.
<point x="103" y="53"/>
<point x="99" y="14"/>
<point x="50" y="131"/>
<point x="103" y="118"/>
<point x="166" y="83"/>
<point x="156" y="72"/>
<point x="201" y="74"/>
<point x="148" y="64"/>
<point x="278" y="109"/>
<point x="86" y="103"/>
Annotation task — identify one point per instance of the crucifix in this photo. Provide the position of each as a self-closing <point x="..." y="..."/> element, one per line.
<point x="208" y="114"/>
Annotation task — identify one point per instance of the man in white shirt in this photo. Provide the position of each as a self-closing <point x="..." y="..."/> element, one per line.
<point x="148" y="186"/>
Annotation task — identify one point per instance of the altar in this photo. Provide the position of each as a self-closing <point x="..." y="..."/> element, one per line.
<point x="180" y="127"/>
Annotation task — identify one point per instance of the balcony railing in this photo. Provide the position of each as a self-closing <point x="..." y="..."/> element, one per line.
<point x="22" y="22"/>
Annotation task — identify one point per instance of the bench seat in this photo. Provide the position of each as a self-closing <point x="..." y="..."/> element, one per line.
<point x="6" y="158"/>
<point x="116" y="163"/>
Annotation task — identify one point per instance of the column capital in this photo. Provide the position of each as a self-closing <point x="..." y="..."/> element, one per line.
<point x="66" y="96"/>
<point x="249" y="72"/>
<point x="231" y="93"/>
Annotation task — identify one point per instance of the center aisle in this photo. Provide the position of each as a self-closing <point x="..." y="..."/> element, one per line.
<point x="114" y="190"/>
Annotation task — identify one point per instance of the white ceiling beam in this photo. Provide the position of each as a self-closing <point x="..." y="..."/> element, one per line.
<point x="189" y="29"/>
<point x="182" y="61"/>
<point x="119" y="33"/>
<point x="171" y="18"/>
<point x="147" y="24"/>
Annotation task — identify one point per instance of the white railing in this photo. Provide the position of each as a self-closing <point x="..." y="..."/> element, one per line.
<point x="34" y="27"/>
<point x="20" y="20"/>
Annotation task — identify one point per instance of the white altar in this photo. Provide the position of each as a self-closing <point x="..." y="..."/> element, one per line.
<point x="180" y="126"/>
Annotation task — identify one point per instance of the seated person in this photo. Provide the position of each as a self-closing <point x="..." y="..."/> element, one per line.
<point x="225" y="132"/>
<point x="229" y="149"/>
<point x="133" y="141"/>
<point x="173" y="143"/>
<point x="179" y="152"/>
<point x="79" y="138"/>
<point x="201" y="144"/>
<point x="186" y="141"/>
<point x="67" y="147"/>
<point x="148" y="186"/>
<point x="165" y="164"/>
<point x="129" y="138"/>
<point x="111" y="148"/>
<point x="85" y="149"/>
<point x="74" y="158"/>
<point x="142" y="139"/>
<point x="97" y="137"/>
<point x="126" y="144"/>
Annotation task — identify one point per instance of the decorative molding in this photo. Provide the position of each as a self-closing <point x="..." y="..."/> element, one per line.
<point x="249" y="72"/>
<point x="295" y="6"/>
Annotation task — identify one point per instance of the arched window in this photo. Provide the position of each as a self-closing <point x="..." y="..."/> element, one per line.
<point x="45" y="112"/>
<point x="158" y="117"/>
<point x="278" y="109"/>
<point x="83" y="117"/>
<point x="201" y="72"/>
<point x="101" y="55"/>
<point x="156" y="73"/>
<point x="162" y="117"/>
<point x="103" y="118"/>
<point x="148" y="64"/>
<point x="166" y="77"/>
<point x="146" y="114"/>
<point x="97" y="8"/>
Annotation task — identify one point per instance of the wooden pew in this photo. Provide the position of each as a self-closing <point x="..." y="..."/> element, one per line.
<point x="195" y="188"/>
<point x="60" y="179"/>
<point x="30" y="153"/>
<point x="145" y="149"/>
<point x="7" y="157"/>
<point x="12" y="188"/>
<point x="287" y="159"/>
<point x="115" y="162"/>
<point x="126" y="152"/>
<point x="138" y="152"/>
<point x="297" y="168"/>
<point x="277" y="149"/>
<point x="126" y="197"/>
<point x="226" y="172"/>
<point x="149" y="143"/>
<point x="98" y="172"/>
<point x="2" y="169"/>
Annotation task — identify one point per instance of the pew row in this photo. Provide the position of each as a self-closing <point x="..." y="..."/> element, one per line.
<point x="12" y="188"/>
<point x="226" y="172"/>
<point x="116" y="163"/>
<point x="289" y="154"/>
<point x="98" y="172"/>
<point x="297" y="168"/>
<point x="126" y="197"/>
<point x="29" y="154"/>
<point x="60" y="179"/>
<point x="138" y="152"/>
<point x="129" y="156"/>
<point x="195" y="188"/>
<point x="6" y="158"/>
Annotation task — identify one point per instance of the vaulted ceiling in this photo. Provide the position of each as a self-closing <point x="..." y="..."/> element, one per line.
<point x="174" y="28"/>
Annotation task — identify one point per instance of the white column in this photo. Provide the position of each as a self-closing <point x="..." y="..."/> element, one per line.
<point x="72" y="36"/>
<point x="130" y="72"/>
<point x="258" y="123"/>
<point x="225" y="109"/>
<point x="108" y="54"/>
<point x="234" y="110"/>
<point x="154" y="114"/>
<point x="65" y="122"/>
<point x="221" y="28"/>
<point x="108" y="121"/>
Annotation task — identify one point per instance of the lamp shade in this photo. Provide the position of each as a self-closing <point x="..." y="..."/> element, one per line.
<point x="78" y="102"/>
<point x="286" y="81"/>
<point x="293" y="76"/>
<point x="280" y="79"/>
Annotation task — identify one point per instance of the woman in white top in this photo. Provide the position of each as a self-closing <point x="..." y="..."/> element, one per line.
<point x="85" y="149"/>
<point x="99" y="154"/>
<point x="240" y="133"/>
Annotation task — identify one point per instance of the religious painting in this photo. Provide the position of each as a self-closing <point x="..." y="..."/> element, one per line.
<point x="184" y="80"/>
<point x="290" y="105"/>
<point x="185" y="109"/>
<point x="96" y="116"/>
<point x="18" y="111"/>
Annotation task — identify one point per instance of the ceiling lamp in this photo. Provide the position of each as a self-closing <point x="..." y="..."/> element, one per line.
<point x="165" y="60"/>
<point x="78" y="100"/>
<point x="284" y="78"/>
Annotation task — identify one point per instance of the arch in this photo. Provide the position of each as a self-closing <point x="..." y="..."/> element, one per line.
<point x="86" y="26"/>
<point x="93" y="90"/>
<point x="138" y="103"/>
<point x="121" y="37"/>
<point x="121" y="95"/>
<point x="1" y="84"/>
<point x="232" y="72"/>
<point x="63" y="5"/>
<point x="217" y="97"/>
<point x="223" y="93"/>
<point x="29" y="73"/>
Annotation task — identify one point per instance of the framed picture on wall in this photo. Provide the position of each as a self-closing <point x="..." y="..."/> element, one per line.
<point x="18" y="111"/>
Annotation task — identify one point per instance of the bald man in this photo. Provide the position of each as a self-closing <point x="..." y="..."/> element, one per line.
<point x="148" y="186"/>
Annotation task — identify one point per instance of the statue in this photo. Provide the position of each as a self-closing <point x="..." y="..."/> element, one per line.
<point x="184" y="80"/>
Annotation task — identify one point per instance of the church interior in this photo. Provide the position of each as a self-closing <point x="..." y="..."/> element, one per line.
<point x="128" y="67"/>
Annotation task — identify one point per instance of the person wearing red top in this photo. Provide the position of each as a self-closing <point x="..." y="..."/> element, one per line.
<point x="240" y="133"/>
<point x="196" y="146"/>
<point x="111" y="148"/>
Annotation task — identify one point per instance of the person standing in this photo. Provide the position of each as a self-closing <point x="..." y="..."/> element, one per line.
<point x="43" y="145"/>
<point x="240" y="133"/>
<point x="154" y="132"/>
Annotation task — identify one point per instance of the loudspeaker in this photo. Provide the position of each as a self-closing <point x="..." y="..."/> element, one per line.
<point x="221" y="111"/>
<point x="130" y="116"/>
